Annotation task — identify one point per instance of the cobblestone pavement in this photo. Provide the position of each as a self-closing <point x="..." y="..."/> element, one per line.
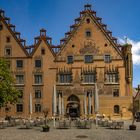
<point x="101" y="133"/>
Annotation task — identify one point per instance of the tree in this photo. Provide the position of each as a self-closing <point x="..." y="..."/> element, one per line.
<point x="8" y="93"/>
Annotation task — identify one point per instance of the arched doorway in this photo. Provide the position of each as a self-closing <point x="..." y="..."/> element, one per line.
<point x="73" y="106"/>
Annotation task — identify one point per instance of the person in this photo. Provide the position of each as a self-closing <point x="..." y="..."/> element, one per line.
<point x="97" y="119"/>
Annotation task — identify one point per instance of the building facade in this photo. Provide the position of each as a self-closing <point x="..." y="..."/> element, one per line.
<point x="88" y="72"/>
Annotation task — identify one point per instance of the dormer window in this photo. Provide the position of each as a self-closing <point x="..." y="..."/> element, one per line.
<point x="88" y="33"/>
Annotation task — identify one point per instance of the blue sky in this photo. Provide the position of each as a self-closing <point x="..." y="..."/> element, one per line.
<point x="121" y="16"/>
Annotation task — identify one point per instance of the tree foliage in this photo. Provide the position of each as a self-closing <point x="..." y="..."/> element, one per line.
<point x="8" y="93"/>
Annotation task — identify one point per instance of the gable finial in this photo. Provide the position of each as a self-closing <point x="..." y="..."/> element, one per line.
<point x="87" y="6"/>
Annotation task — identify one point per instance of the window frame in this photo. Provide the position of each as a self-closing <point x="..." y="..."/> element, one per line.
<point x="86" y="59"/>
<point x="89" y="78"/>
<point x="38" y="83"/>
<point x="116" y="109"/>
<point x="107" y="58"/>
<point x="38" y="94"/>
<point x="70" y="59"/>
<point x="17" y="62"/>
<point x="88" y="33"/>
<point x="38" y="108"/>
<point x="19" y="81"/>
<point x="38" y="65"/>
<point x="65" y="78"/>
<point x="19" y="108"/>
<point x="10" y="50"/>
<point x="112" y="77"/>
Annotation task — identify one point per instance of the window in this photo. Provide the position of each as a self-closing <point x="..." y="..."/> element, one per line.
<point x="116" y="109"/>
<point x="37" y="93"/>
<point x="8" y="39"/>
<point x="38" y="63"/>
<point x="19" y="63"/>
<point x="37" y="107"/>
<point x="69" y="59"/>
<point x="21" y="94"/>
<point x="89" y="78"/>
<point x="88" y="33"/>
<point x="88" y="20"/>
<point x="116" y="93"/>
<point x="42" y="51"/>
<point x="88" y="58"/>
<point x="19" y="107"/>
<point x="8" y="51"/>
<point x="107" y="58"/>
<point x="65" y="78"/>
<point x="20" y="79"/>
<point x="38" y="79"/>
<point x="112" y="78"/>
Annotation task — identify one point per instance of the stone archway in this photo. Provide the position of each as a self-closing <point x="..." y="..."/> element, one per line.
<point x="73" y="106"/>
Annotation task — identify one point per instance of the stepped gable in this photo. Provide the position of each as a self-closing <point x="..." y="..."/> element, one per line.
<point x="38" y="39"/>
<point x="103" y="27"/>
<point x="12" y="30"/>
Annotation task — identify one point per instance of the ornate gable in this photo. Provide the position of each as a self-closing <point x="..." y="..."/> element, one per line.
<point x="89" y="36"/>
<point x="10" y="30"/>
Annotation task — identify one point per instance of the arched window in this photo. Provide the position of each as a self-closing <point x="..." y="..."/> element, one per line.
<point x="117" y="109"/>
<point x="73" y="98"/>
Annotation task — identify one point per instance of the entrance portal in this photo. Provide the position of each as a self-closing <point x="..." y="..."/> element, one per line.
<point x="73" y="106"/>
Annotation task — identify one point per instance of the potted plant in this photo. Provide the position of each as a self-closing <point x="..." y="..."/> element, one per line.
<point x="46" y="127"/>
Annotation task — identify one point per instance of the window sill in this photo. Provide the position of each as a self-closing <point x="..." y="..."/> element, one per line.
<point x="69" y="84"/>
<point x="37" y="85"/>
<point x="111" y="83"/>
<point x="88" y="84"/>
<point x="19" y="84"/>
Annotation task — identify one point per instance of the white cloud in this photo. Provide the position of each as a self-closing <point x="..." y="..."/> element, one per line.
<point x="135" y="49"/>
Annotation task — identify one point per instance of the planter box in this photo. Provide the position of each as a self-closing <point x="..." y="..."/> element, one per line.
<point x="132" y="127"/>
<point x="46" y="129"/>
